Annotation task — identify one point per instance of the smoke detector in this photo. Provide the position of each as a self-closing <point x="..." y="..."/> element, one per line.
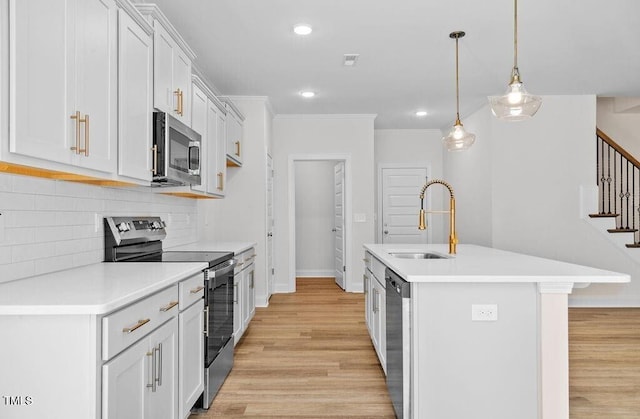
<point x="350" y="59"/>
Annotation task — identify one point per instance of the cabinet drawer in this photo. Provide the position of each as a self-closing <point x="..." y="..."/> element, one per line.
<point x="191" y="290"/>
<point x="126" y="326"/>
<point x="244" y="259"/>
<point x="368" y="257"/>
<point x="378" y="268"/>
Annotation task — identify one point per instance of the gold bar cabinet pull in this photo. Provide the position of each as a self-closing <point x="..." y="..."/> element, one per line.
<point x="169" y="306"/>
<point x="137" y="326"/>
<point x="237" y="143"/>
<point x="197" y="290"/>
<point x="76" y="116"/>
<point x="177" y="94"/>
<point x="86" y="135"/>
<point x="220" y="181"/>
<point x="154" y="150"/>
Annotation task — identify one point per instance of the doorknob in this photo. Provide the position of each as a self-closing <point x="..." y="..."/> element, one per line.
<point x="270" y="234"/>
<point x="334" y="230"/>
<point x="386" y="232"/>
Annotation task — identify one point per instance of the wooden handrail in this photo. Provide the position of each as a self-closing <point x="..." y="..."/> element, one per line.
<point x="618" y="148"/>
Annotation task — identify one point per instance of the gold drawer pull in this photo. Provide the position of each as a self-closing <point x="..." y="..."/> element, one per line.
<point x="137" y="326"/>
<point x="196" y="290"/>
<point x="169" y="306"/>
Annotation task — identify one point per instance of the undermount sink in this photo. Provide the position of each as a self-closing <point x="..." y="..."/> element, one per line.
<point x="417" y="255"/>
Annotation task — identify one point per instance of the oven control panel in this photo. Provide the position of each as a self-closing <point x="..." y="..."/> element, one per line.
<point x="126" y="230"/>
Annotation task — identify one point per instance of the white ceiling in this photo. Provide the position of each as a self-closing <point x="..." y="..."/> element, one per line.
<point x="407" y="60"/>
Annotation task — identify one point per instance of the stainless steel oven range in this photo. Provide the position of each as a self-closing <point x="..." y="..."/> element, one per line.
<point x="139" y="239"/>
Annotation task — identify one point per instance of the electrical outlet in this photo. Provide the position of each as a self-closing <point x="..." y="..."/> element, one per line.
<point x="484" y="312"/>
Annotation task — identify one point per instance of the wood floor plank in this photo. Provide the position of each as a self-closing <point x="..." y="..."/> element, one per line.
<point x="307" y="355"/>
<point x="604" y="363"/>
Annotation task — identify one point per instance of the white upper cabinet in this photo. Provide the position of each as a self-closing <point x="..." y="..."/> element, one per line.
<point x="135" y="93"/>
<point x="207" y="114"/>
<point x="199" y="124"/>
<point x="63" y="78"/>
<point x="171" y="66"/>
<point x="235" y="120"/>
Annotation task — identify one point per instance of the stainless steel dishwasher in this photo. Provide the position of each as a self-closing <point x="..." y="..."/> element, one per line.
<point x="398" y="293"/>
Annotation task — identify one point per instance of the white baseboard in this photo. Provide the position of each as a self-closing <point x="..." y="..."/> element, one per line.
<point x="321" y="273"/>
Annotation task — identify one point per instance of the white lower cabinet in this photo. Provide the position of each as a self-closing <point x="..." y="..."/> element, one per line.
<point x="244" y="299"/>
<point x="376" y="306"/>
<point x="191" y="357"/>
<point x="141" y="382"/>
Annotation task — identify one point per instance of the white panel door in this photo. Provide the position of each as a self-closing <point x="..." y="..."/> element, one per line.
<point x="401" y="205"/>
<point x="270" y="270"/>
<point x="339" y="212"/>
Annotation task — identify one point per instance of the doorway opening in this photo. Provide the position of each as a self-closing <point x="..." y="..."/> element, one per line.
<point x="319" y="200"/>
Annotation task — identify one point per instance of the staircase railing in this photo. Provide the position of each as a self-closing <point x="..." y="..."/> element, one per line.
<point x="618" y="177"/>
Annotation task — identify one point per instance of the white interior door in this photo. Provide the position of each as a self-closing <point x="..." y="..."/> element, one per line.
<point x="270" y="270"/>
<point x="401" y="205"/>
<point x="339" y="223"/>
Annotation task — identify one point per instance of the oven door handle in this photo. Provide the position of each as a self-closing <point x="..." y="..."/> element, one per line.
<point x="225" y="269"/>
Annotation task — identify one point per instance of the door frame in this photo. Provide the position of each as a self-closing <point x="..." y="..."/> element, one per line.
<point x="380" y="203"/>
<point x="346" y="158"/>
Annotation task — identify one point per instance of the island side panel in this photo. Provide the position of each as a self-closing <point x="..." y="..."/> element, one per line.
<point x="554" y="354"/>
<point x="474" y="369"/>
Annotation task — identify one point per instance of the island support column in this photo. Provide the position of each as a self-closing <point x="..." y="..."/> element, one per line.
<point x="554" y="350"/>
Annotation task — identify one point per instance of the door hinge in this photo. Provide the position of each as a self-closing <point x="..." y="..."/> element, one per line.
<point x="344" y="269"/>
<point x="273" y="271"/>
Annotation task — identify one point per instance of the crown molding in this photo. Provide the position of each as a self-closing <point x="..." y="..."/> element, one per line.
<point x="153" y="11"/>
<point x="135" y="14"/>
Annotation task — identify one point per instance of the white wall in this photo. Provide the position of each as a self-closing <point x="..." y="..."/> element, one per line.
<point x="621" y="127"/>
<point x="344" y="135"/>
<point x="314" y="187"/>
<point x="523" y="180"/>
<point x="49" y="225"/>
<point x="418" y="147"/>
<point x="241" y="215"/>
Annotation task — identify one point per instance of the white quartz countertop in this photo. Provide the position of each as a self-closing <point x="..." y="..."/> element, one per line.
<point x="216" y="246"/>
<point x="93" y="289"/>
<point x="482" y="264"/>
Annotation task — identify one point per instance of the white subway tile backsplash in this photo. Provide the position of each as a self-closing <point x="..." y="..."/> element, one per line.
<point x="51" y="225"/>
<point x="23" y="252"/>
<point x="16" y="201"/>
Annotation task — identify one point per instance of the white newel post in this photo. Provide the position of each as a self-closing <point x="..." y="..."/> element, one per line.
<point x="554" y="350"/>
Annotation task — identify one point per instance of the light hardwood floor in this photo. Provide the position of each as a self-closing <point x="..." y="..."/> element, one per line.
<point x="307" y="355"/>
<point x="604" y="363"/>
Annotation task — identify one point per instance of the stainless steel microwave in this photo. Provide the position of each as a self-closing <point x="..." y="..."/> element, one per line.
<point x="176" y="152"/>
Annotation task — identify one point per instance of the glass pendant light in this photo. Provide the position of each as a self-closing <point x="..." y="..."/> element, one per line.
<point x="516" y="104"/>
<point x="458" y="139"/>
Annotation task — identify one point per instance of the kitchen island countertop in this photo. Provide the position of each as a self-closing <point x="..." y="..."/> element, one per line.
<point x="483" y="264"/>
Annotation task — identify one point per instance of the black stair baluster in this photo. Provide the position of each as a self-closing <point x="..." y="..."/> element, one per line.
<point x="609" y="180"/>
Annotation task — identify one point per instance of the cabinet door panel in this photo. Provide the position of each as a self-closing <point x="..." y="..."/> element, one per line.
<point x="135" y="93"/>
<point x="237" y="307"/>
<point x="191" y="352"/>
<point x="42" y="78"/>
<point x="221" y="154"/>
<point x="96" y="41"/>
<point x="199" y="124"/>
<point x="182" y="81"/>
<point x="163" y="97"/>
<point x="124" y="383"/>
<point x="162" y="404"/>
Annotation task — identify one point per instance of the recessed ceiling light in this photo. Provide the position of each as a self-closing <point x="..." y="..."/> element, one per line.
<point x="421" y="113"/>
<point x="307" y="93"/>
<point x="302" y="29"/>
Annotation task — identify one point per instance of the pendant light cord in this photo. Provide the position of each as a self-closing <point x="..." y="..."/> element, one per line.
<point x="515" y="33"/>
<point x="457" y="88"/>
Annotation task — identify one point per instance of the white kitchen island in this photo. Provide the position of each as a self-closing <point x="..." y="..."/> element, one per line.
<point x="515" y="366"/>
